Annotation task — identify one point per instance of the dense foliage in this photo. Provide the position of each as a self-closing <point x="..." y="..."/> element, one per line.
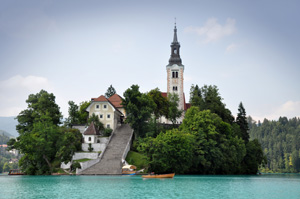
<point x="208" y="141"/>
<point x="208" y="98"/>
<point x="139" y="107"/>
<point x="204" y="144"/>
<point x="110" y="91"/>
<point x="77" y="114"/>
<point x="280" y="141"/>
<point x="143" y="110"/>
<point x="41" y="141"/>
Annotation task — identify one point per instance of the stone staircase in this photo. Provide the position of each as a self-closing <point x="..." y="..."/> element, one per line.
<point x="111" y="162"/>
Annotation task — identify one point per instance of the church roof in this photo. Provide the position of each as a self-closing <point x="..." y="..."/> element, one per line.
<point x="116" y="100"/>
<point x="175" y="52"/>
<point x="91" y="130"/>
<point x="101" y="98"/>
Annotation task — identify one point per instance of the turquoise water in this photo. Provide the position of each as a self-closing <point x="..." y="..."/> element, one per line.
<point x="84" y="187"/>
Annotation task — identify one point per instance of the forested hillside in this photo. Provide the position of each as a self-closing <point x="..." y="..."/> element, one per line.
<point x="280" y="141"/>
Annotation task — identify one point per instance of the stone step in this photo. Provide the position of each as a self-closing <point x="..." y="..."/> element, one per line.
<point x="111" y="160"/>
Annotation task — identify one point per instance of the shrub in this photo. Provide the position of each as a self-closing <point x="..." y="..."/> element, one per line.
<point x="107" y="132"/>
<point x="90" y="147"/>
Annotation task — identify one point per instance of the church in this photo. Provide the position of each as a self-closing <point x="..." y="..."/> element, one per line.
<point x="111" y="110"/>
<point x="175" y="78"/>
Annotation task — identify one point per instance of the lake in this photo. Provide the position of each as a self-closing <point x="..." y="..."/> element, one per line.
<point x="182" y="186"/>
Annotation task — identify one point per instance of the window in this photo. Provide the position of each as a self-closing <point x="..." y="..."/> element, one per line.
<point x="175" y="74"/>
<point x="101" y="116"/>
<point x="105" y="106"/>
<point x="108" y="116"/>
<point x="90" y="138"/>
<point x="108" y="126"/>
<point x="97" y="106"/>
<point x="174" y="88"/>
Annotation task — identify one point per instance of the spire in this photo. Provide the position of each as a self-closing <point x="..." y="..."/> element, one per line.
<point x="175" y="34"/>
<point x="175" y="46"/>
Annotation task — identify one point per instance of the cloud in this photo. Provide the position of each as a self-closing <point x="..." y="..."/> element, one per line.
<point x="212" y="30"/>
<point x="31" y="83"/>
<point x="17" y="89"/>
<point x="231" y="47"/>
<point x="289" y="109"/>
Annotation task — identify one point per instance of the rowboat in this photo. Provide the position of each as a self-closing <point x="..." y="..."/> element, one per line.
<point x="129" y="170"/>
<point x="170" y="175"/>
<point x="15" y="172"/>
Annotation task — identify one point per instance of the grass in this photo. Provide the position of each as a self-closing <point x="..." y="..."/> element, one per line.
<point x="137" y="159"/>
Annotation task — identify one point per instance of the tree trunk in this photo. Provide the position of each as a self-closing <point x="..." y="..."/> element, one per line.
<point x="49" y="164"/>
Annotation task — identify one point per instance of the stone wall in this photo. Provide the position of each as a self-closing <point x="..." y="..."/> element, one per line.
<point x="78" y="156"/>
<point x="96" y="146"/>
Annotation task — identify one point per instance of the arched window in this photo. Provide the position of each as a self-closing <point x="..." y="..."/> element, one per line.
<point x="90" y="139"/>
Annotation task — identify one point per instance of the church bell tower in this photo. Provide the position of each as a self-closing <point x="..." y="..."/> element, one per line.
<point x="175" y="71"/>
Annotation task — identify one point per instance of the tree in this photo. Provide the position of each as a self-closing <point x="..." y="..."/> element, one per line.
<point x="161" y="102"/>
<point x="196" y="96"/>
<point x="40" y="104"/>
<point x="110" y="91"/>
<point x="73" y="114"/>
<point x="241" y="120"/>
<point x="173" y="112"/>
<point x="170" y="152"/>
<point x="217" y="150"/>
<point x="139" y="108"/>
<point x="94" y="118"/>
<point x="39" y="147"/>
<point x="68" y="144"/>
<point x="208" y="98"/>
<point x="40" y="137"/>
<point x="254" y="157"/>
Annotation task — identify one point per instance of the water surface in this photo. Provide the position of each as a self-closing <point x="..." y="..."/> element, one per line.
<point x="264" y="186"/>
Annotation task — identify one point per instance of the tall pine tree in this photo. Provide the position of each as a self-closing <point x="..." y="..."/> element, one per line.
<point x="110" y="91"/>
<point x="241" y="120"/>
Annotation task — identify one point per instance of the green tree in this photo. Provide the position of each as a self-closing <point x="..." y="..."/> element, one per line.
<point x="208" y="98"/>
<point x="173" y="112"/>
<point x="68" y="144"/>
<point x="241" y="120"/>
<point x="6" y="167"/>
<point x="110" y="91"/>
<point x="161" y="102"/>
<point x="39" y="139"/>
<point x="139" y="107"/>
<point x="40" y="104"/>
<point x="169" y="152"/>
<point x="254" y="157"/>
<point x="73" y="114"/>
<point x="218" y="151"/>
<point x="94" y="118"/>
<point x="196" y="96"/>
<point x="83" y="114"/>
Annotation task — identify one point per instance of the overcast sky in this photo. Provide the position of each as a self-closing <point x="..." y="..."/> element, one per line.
<point x="75" y="49"/>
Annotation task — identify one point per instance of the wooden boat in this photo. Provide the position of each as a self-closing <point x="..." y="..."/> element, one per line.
<point x="129" y="170"/>
<point x="170" y="175"/>
<point x="15" y="172"/>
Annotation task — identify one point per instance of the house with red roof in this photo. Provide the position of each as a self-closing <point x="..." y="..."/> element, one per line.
<point x="109" y="110"/>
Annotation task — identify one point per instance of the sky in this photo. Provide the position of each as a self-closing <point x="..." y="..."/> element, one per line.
<point x="76" y="49"/>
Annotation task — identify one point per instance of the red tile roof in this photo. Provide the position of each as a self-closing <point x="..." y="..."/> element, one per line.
<point x="91" y="130"/>
<point x="116" y="100"/>
<point x="164" y="94"/>
<point x="101" y="98"/>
